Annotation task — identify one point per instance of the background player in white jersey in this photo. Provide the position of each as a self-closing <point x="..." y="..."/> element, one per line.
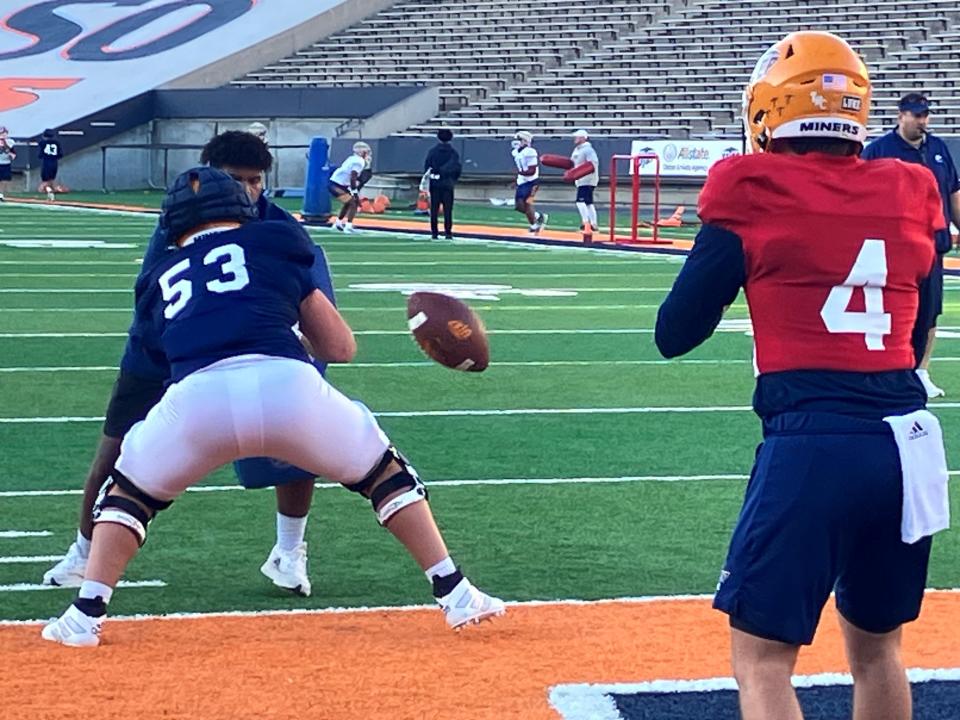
<point x="583" y="152"/>
<point x="223" y="304"/>
<point x="527" y="160"/>
<point x="345" y="184"/>
<point x="7" y="154"/>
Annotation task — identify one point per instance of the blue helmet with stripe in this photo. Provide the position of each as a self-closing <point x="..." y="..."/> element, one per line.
<point x="204" y="195"/>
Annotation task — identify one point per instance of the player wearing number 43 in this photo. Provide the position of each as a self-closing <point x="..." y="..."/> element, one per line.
<point x="850" y="481"/>
<point x="224" y="304"/>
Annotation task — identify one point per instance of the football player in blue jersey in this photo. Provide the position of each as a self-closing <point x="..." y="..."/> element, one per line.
<point x="223" y="305"/>
<point x="144" y="372"/>
<point x="850" y="482"/>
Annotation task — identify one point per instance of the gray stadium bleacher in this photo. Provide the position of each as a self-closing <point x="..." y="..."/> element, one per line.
<point x="623" y="68"/>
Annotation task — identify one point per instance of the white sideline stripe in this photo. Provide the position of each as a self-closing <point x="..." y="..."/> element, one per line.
<point x="638" y="600"/>
<point x="11" y="559"/>
<point x="31" y="587"/>
<point x="586" y="701"/>
<point x="486" y="413"/>
<point x="440" y="483"/>
<point x="7" y="534"/>
<point x="427" y="364"/>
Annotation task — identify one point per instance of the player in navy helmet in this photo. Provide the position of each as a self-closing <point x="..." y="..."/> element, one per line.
<point x="850" y="482"/>
<point x="144" y="371"/>
<point x="223" y="305"/>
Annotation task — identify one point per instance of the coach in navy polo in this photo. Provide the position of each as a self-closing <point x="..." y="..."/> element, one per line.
<point x="911" y="142"/>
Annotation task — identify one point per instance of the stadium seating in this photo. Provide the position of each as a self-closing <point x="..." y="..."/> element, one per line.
<point x="657" y="69"/>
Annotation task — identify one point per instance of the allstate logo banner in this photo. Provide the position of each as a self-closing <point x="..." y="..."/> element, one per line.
<point x="683" y="158"/>
<point x="61" y="60"/>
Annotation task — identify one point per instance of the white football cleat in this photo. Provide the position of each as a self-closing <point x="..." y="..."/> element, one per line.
<point x="932" y="390"/>
<point x="74" y="628"/>
<point x="288" y="570"/>
<point x="69" y="571"/>
<point x="50" y="196"/>
<point x="466" y="605"/>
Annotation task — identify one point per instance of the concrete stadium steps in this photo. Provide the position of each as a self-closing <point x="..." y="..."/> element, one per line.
<point x="484" y="46"/>
<point x="623" y="68"/>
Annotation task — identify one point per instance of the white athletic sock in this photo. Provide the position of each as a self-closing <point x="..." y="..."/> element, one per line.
<point x="83" y="545"/>
<point x="90" y="590"/>
<point x="290" y="531"/>
<point x="584" y="212"/>
<point x="592" y="210"/>
<point x="441" y="569"/>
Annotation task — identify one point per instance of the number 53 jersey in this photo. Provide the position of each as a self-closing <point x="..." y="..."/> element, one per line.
<point x="831" y="253"/>
<point x="227" y="293"/>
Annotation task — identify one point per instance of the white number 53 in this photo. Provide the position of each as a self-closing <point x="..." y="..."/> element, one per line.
<point x="869" y="272"/>
<point x="177" y="288"/>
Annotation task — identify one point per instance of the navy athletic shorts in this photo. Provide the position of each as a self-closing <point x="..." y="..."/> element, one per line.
<point x="821" y="513"/>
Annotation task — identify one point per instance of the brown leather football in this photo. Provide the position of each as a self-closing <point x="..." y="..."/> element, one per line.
<point x="448" y="331"/>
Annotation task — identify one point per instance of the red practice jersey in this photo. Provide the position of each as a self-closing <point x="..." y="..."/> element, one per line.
<point x="834" y="251"/>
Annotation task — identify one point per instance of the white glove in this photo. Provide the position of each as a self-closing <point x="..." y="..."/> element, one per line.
<point x="515" y="145"/>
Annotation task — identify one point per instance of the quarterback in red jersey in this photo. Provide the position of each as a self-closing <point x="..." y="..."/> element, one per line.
<point x="831" y="253"/>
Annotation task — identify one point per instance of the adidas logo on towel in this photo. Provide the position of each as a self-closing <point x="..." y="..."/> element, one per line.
<point x="917" y="432"/>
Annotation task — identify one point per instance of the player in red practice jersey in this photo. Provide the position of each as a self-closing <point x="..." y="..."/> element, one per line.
<point x="831" y="252"/>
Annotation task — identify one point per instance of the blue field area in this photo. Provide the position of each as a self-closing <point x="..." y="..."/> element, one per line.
<point x="933" y="700"/>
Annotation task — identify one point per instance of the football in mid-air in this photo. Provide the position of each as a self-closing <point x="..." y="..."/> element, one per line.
<point x="448" y="331"/>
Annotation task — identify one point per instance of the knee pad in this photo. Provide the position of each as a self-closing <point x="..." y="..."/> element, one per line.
<point x="124" y="511"/>
<point x="377" y="492"/>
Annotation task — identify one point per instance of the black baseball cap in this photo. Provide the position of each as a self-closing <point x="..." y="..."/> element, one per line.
<point x="916" y="103"/>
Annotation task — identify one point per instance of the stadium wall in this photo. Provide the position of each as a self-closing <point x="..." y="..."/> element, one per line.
<point x="190" y="117"/>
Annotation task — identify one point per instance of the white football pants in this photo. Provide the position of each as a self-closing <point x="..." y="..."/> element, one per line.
<point x="250" y="406"/>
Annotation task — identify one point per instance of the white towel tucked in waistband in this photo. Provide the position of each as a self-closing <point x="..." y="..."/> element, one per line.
<point x="926" y="503"/>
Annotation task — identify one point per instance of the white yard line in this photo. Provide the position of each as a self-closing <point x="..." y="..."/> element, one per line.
<point x="14" y="559"/>
<point x="570" y="602"/>
<point x="427" y="364"/>
<point x="32" y="587"/>
<point x="493" y="412"/>
<point x="10" y="534"/>
<point x="493" y="482"/>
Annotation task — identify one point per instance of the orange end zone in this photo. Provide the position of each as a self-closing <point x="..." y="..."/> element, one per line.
<point x="397" y="665"/>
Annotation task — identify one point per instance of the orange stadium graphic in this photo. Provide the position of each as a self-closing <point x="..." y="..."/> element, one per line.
<point x="19" y="92"/>
<point x="112" y="51"/>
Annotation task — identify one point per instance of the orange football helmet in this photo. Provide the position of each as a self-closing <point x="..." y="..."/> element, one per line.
<point x="810" y="84"/>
